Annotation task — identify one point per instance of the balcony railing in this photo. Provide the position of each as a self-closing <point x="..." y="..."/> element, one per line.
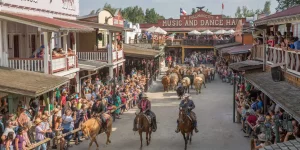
<point x="37" y="64"/>
<point x="28" y="64"/>
<point x="101" y="56"/>
<point x="198" y="42"/>
<point x="278" y="55"/>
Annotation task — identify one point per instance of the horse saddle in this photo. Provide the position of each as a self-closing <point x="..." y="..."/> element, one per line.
<point x="190" y="117"/>
<point x="148" y="118"/>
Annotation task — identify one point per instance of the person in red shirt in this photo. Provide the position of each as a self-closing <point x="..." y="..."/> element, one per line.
<point x="251" y="119"/>
<point x="123" y="99"/>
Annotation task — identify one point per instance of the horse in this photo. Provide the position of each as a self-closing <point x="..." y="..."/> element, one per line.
<point x="180" y="92"/>
<point x="186" y="81"/>
<point x="185" y="126"/>
<point x="143" y="124"/>
<point x="166" y="83"/>
<point x="92" y="127"/>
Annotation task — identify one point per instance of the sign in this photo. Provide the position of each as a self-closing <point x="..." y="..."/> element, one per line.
<point x="70" y="7"/>
<point x="118" y="19"/>
<point x="200" y="19"/>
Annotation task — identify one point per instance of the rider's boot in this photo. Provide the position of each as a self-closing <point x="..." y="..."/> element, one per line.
<point x="195" y="126"/>
<point x="154" y="125"/>
<point x="134" y="126"/>
<point x="177" y="129"/>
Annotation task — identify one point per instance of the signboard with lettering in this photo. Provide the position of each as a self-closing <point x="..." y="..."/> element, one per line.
<point x="118" y="19"/>
<point x="200" y="19"/>
<point x="70" y="7"/>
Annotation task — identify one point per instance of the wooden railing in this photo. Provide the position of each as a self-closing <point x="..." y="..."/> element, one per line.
<point x="275" y="55"/>
<point x="198" y="42"/>
<point x="99" y="56"/>
<point x="28" y="64"/>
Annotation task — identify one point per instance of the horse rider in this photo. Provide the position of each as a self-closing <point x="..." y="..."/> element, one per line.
<point x="99" y="108"/>
<point x="188" y="105"/>
<point x="145" y="107"/>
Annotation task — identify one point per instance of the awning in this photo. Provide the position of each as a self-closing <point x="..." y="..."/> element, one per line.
<point x="246" y="65"/>
<point x="227" y="45"/>
<point x="96" y="25"/>
<point x="288" y="145"/>
<point x="134" y="51"/>
<point x="237" y="49"/>
<point x="91" y="65"/>
<point x="282" y="93"/>
<point x="28" y="83"/>
<point x="44" y="22"/>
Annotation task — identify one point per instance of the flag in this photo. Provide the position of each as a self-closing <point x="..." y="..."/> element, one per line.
<point x="182" y="12"/>
<point x="222" y="5"/>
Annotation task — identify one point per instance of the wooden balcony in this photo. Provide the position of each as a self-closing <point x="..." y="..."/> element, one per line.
<point x="197" y="42"/>
<point x="277" y="55"/>
<point x="58" y="64"/>
<point x="100" y="56"/>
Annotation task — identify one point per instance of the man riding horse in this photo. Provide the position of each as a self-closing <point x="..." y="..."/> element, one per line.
<point x="99" y="108"/>
<point x="145" y="107"/>
<point x="188" y="105"/>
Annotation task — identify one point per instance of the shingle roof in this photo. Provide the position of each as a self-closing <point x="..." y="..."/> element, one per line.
<point x="91" y="65"/>
<point x="28" y="83"/>
<point x="288" y="12"/>
<point x="246" y="65"/>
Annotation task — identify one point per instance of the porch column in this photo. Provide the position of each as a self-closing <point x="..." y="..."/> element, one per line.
<point x="52" y="45"/>
<point x="1" y="46"/>
<point x="182" y="55"/>
<point x="123" y="72"/>
<point x="46" y="55"/>
<point x="5" y="45"/>
<point x="77" y="82"/>
<point x="110" y="55"/>
<point x="288" y="30"/>
<point x="65" y="48"/>
<point x="59" y="40"/>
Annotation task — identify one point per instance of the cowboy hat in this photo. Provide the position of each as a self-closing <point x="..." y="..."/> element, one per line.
<point x="55" y="110"/>
<point x="37" y="121"/>
<point x="262" y="137"/>
<point x="44" y="117"/>
<point x="144" y="95"/>
<point x="186" y="95"/>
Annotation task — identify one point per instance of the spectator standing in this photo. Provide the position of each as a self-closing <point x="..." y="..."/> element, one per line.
<point x="58" y="131"/>
<point x="40" y="134"/>
<point x="20" y="143"/>
<point x="297" y="43"/>
<point x="68" y="125"/>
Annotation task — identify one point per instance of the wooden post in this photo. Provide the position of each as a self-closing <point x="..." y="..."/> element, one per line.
<point x="182" y="53"/>
<point x="234" y="89"/>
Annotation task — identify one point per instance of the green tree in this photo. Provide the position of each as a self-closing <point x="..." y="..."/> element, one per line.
<point x="246" y="12"/>
<point x="284" y="4"/>
<point x="267" y="8"/>
<point x="193" y="11"/>
<point x="238" y="13"/>
<point x="134" y="14"/>
<point x="109" y="8"/>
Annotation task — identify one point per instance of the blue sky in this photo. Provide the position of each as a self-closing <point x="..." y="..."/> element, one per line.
<point x="171" y="8"/>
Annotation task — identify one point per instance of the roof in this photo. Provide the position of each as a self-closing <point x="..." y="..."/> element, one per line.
<point x="246" y="65"/>
<point x="43" y="22"/>
<point x="130" y="50"/>
<point x="292" y="145"/>
<point x="91" y="65"/>
<point x="227" y="45"/>
<point x="282" y="93"/>
<point x="237" y="49"/>
<point x="285" y="13"/>
<point x="96" y="25"/>
<point x="28" y="83"/>
<point x="190" y="29"/>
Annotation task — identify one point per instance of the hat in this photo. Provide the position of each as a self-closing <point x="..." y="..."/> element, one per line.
<point x="55" y="110"/>
<point x="65" y="92"/>
<point x="10" y="115"/>
<point x="42" y="46"/>
<point x="44" y="117"/>
<point x="186" y="95"/>
<point x="37" y="121"/>
<point x="262" y="137"/>
<point x="22" y="107"/>
<point x="144" y="95"/>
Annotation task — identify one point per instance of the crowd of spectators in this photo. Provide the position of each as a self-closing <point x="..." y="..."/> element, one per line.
<point x="260" y="118"/>
<point x="28" y="127"/>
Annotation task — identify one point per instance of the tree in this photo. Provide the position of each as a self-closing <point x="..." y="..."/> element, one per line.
<point x="284" y="4"/>
<point x="109" y="8"/>
<point x="267" y="7"/>
<point x="208" y="11"/>
<point x="134" y="14"/>
<point x="246" y="12"/>
<point x="193" y="11"/>
<point x="151" y="16"/>
<point x="238" y="13"/>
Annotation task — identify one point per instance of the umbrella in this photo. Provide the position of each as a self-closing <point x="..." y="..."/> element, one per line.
<point x="221" y="32"/>
<point x="230" y="32"/>
<point x="194" y="32"/>
<point x="207" y="32"/>
<point x="152" y="29"/>
<point x="160" y="31"/>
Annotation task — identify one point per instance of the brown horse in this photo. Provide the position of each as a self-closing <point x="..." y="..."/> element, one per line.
<point x="92" y="127"/>
<point x="143" y="125"/>
<point x="186" y="127"/>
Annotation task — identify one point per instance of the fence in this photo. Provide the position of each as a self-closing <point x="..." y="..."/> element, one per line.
<point x="76" y="130"/>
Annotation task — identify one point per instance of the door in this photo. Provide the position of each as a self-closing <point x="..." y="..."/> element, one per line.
<point x="16" y="46"/>
<point x="33" y="46"/>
